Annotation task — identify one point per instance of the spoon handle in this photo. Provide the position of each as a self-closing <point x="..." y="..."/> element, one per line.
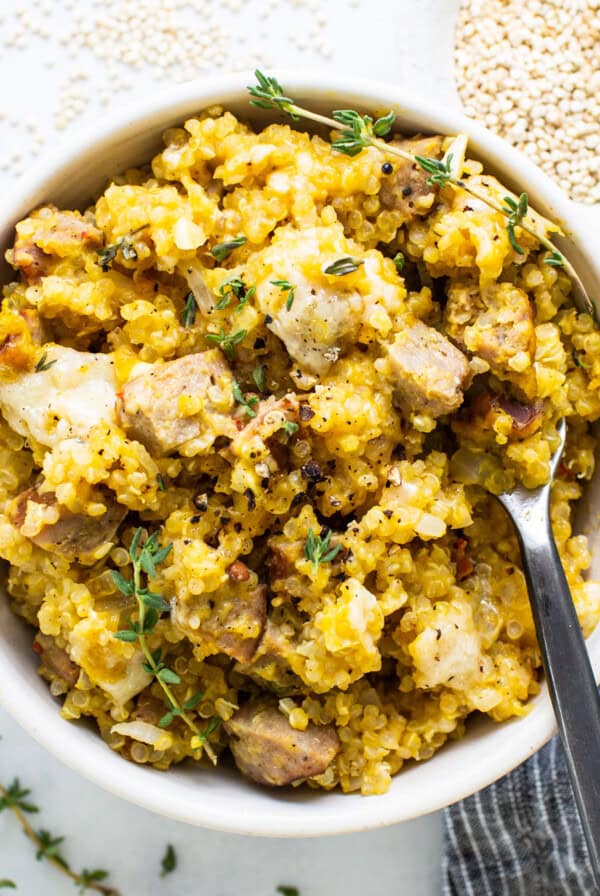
<point x="569" y="674"/>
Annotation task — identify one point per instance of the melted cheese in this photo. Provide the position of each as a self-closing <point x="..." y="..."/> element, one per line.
<point x="66" y="400"/>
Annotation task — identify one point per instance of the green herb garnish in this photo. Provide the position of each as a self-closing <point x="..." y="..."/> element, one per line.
<point x="290" y="427"/>
<point x="318" y="548"/>
<point x="222" y="250"/>
<point x="578" y="361"/>
<point x="234" y="286"/>
<point x="555" y="259"/>
<point x="439" y="170"/>
<point x="516" y="211"/>
<point x="6" y="884"/>
<point x="345" y="265"/>
<point x="359" y="130"/>
<point x="288" y="891"/>
<point x="169" y="861"/>
<point x="150" y="605"/>
<point x="227" y="341"/>
<point x="161" y="482"/>
<point x="124" y="245"/>
<point x="246" y="403"/>
<point x="286" y="286"/>
<point x="47" y="846"/>
<point x="44" y="364"/>
<point x="258" y="377"/>
<point x="399" y="260"/>
<point x="188" y="315"/>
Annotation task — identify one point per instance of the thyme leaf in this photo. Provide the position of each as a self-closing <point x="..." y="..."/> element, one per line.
<point x="345" y="265"/>
<point x="246" y="403"/>
<point x="286" y="286"/>
<point x="43" y="363"/>
<point x="222" y="250"/>
<point x="318" y="548"/>
<point x="516" y="211"/>
<point x="234" y="286"/>
<point x="399" y="260"/>
<point x="439" y="170"/>
<point x="227" y="341"/>
<point x="124" y="245"/>
<point x="169" y="861"/>
<point x="188" y="315"/>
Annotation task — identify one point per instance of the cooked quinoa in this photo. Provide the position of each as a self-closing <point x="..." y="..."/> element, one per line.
<point x="372" y="412"/>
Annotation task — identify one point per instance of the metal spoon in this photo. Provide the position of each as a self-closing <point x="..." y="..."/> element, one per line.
<point x="567" y="666"/>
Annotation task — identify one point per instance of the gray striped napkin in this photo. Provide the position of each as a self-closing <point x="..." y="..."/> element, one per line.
<point x="519" y="837"/>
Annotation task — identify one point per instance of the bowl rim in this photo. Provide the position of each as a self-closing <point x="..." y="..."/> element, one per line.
<point x="135" y="784"/>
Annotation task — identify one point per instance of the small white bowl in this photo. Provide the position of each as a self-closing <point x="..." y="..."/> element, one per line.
<point x="221" y="798"/>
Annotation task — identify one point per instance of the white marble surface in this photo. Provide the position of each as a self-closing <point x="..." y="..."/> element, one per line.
<point x="408" y="41"/>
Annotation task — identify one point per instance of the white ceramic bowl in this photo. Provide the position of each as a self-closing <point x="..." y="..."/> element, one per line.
<point x="221" y="798"/>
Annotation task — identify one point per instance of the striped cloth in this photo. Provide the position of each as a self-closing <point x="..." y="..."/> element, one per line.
<point x="520" y="837"/>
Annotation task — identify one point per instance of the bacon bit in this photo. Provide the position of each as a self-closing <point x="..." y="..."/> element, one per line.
<point x="563" y="471"/>
<point x="238" y="572"/>
<point x="462" y="559"/>
<point x="37" y="647"/>
<point x="120" y="395"/>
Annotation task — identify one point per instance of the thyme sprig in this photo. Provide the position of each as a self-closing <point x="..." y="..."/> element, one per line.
<point x="258" y="376"/>
<point x="144" y="559"/>
<point x="360" y="131"/>
<point x="234" y="286"/>
<point x="227" y="341"/>
<point x="15" y="798"/>
<point x="318" y="548"/>
<point x="516" y="210"/>
<point x="248" y="403"/>
<point x="124" y="245"/>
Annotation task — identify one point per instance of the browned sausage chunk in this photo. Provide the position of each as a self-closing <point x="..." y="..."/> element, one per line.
<point x="236" y="625"/>
<point x="267" y="749"/>
<point x="406" y="188"/>
<point x="56" y="661"/>
<point x="429" y="372"/>
<point x="154" y="410"/>
<point x="46" y="235"/>
<point x="496" y="323"/>
<point x="73" y="535"/>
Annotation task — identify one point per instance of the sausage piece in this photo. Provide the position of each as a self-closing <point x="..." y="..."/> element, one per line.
<point x="46" y="235"/>
<point x="74" y="535"/>
<point x="56" y="661"/>
<point x="269" y="751"/>
<point x="151" y="406"/>
<point x="406" y="188"/>
<point x="428" y="371"/>
<point x="236" y="625"/>
<point x="496" y="323"/>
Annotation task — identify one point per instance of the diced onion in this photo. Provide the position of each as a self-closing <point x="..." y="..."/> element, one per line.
<point x="145" y="733"/>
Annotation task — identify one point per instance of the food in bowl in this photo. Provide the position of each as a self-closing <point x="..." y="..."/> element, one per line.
<point x="254" y="403"/>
